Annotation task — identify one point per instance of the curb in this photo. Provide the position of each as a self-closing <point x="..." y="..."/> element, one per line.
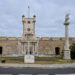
<point x="47" y="66"/>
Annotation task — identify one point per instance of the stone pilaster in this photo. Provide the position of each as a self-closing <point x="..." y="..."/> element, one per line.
<point x="28" y="48"/>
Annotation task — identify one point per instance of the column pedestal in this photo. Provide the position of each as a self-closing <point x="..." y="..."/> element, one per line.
<point x="29" y="58"/>
<point x="67" y="54"/>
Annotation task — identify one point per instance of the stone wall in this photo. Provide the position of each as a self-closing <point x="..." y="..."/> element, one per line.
<point x="46" y="45"/>
<point x="9" y="45"/>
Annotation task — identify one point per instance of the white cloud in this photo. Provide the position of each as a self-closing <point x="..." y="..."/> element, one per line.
<point x="49" y="21"/>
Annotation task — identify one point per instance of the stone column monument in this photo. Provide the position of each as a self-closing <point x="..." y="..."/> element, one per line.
<point x="66" y="47"/>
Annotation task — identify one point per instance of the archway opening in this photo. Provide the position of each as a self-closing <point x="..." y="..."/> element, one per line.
<point x="31" y="50"/>
<point x="57" y="51"/>
<point x="1" y="50"/>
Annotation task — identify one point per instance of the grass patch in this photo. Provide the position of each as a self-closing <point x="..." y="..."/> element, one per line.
<point x="50" y="60"/>
<point x="12" y="59"/>
<point x="47" y="58"/>
<point x="55" y="62"/>
<point x="38" y="60"/>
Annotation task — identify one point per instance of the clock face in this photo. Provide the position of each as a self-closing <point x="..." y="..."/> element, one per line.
<point x="28" y="22"/>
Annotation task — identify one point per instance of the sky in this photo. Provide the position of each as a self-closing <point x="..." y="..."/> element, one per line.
<point x="50" y="16"/>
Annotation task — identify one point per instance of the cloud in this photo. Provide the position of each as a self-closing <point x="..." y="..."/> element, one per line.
<point x="50" y="15"/>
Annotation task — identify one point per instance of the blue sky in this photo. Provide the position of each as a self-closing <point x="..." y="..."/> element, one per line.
<point x="50" y="15"/>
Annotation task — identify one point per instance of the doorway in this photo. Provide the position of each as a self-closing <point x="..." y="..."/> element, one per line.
<point x="31" y="50"/>
<point x="57" y="51"/>
<point x="1" y="48"/>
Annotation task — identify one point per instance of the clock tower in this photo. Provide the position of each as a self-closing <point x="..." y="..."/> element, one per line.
<point x="29" y="42"/>
<point x="28" y="27"/>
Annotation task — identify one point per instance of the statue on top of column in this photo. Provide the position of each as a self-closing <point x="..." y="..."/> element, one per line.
<point x="67" y="19"/>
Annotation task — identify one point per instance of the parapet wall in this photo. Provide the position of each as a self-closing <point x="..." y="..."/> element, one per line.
<point x="56" y="38"/>
<point x="8" y="38"/>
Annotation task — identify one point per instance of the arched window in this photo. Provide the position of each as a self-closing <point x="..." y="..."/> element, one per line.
<point x="57" y="51"/>
<point x="1" y="48"/>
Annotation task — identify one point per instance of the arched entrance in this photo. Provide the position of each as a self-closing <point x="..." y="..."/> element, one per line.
<point x="1" y="48"/>
<point x="57" y="51"/>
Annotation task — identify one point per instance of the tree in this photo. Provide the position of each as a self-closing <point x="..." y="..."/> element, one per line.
<point x="72" y="47"/>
